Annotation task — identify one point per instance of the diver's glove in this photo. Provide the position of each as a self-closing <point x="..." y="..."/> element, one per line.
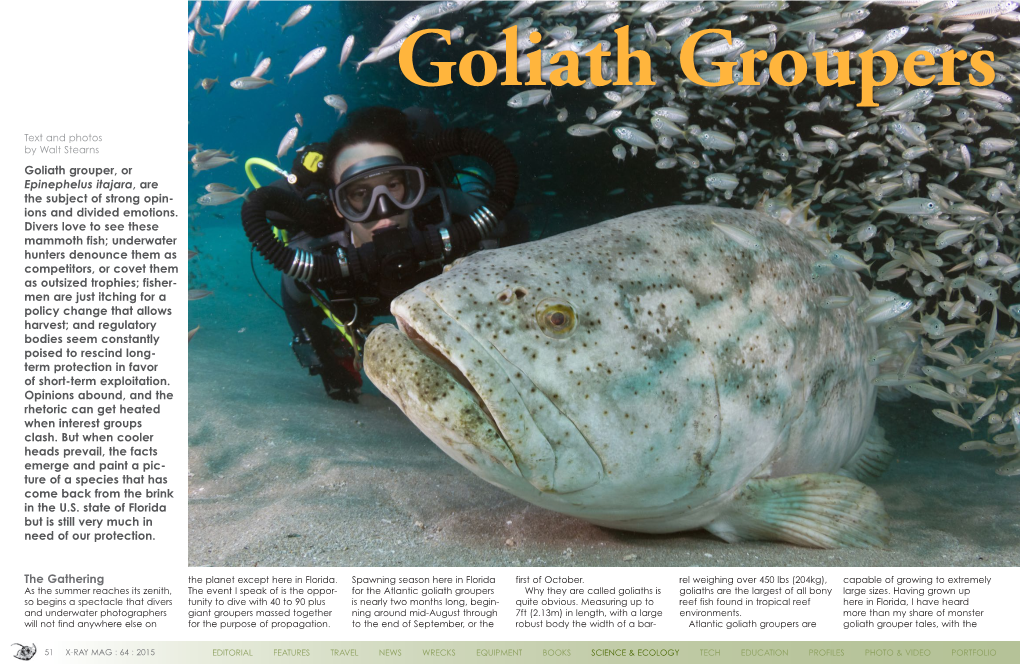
<point x="340" y="377"/>
<point x="342" y="390"/>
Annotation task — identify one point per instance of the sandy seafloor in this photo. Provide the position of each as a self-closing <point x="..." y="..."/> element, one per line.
<point x="279" y="475"/>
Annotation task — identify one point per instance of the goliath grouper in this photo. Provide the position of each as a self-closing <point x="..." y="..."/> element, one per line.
<point x="668" y="370"/>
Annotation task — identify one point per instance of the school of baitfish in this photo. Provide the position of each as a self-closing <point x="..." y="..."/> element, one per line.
<point x="920" y="196"/>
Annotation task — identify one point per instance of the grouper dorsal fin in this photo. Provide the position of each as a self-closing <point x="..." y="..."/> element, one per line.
<point x="818" y="510"/>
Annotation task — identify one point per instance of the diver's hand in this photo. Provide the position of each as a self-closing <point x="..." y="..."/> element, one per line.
<point x="348" y="393"/>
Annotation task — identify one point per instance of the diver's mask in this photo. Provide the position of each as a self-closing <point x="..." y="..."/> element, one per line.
<point x="376" y="188"/>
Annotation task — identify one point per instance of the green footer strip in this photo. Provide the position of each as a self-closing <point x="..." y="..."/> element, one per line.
<point x="366" y="652"/>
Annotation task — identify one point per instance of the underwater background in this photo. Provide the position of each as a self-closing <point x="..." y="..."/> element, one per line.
<point x="281" y="475"/>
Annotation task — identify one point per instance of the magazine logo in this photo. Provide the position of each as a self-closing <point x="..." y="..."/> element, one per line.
<point x="24" y="652"/>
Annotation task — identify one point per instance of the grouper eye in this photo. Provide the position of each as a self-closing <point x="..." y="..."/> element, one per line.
<point x="556" y="317"/>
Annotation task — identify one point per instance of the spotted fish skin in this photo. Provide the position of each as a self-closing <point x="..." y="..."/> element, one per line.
<point x="693" y="367"/>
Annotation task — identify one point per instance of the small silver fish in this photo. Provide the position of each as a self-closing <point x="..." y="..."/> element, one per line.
<point x="887" y="311"/>
<point x="888" y="38"/>
<point x="221" y="198"/>
<point x="629" y="99"/>
<point x="346" y="51"/>
<point x="232" y="9"/>
<point x="827" y="20"/>
<point x="981" y="289"/>
<point x="203" y="155"/>
<point x="521" y="6"/>
<point x="607" y="117"/>
<point x="562" y="32"/>
<point x="719" y="48"/>
<point x="336" y="102"/>
<point x="191" y="44"/>
<point x="635" y="137"/>
<point x="894" y="379"/>
<point x="950" y="237"/>
<point x="250" y="83"/>
<point x="296" y="16"/>
<point x="974" y="11"/>
<point x="933" y="326"/>
<point x="1009" y="469"/>
<point x="401" y="29"/>
<point x="949" y="417"/>
<point x="909" y="101"/>
<point x="847" y="261"/>
<point x="308" y="61"/>
<point x="880" y="356"/>
<point x="529" y="98"/>
<point x="740" y="236"/>
<point x="214" y="162"/>
<point x="822" y="269"/>
<point x="666" y="127"/>
<point x="837" y="301"/>
<point x="724" y="181"/>
<point x="714" y="140"/>
<point x="287" y="143"/>
<point x="913" y="206"/>
<point x="261" y="68"/>
<point x="601" y="23"/>
<point x="847" y="37"/>
<point x="677" y="115"/>
<point x="585" y="130"/>
<point x="523" y="42"/>
<point x="926" y="391"/>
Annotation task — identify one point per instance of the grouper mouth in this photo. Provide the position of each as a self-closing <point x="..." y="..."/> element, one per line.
<point x="447" y="383"/>
<point x="469" y="399"/>
<point x="437" y="356"/>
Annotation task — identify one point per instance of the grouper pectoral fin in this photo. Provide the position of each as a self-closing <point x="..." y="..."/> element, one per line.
<point x="872" y="458"/>
<point x="820" y="510"/>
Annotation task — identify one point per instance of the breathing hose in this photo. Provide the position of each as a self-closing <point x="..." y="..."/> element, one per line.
<point x="302" y="215"/>
<point x="470" y="142"/>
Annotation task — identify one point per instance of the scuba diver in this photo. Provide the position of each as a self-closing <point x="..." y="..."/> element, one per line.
<point x="368" y="215"/>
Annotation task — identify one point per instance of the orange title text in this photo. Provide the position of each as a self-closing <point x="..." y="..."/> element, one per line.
<point x="569" y="73"/>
